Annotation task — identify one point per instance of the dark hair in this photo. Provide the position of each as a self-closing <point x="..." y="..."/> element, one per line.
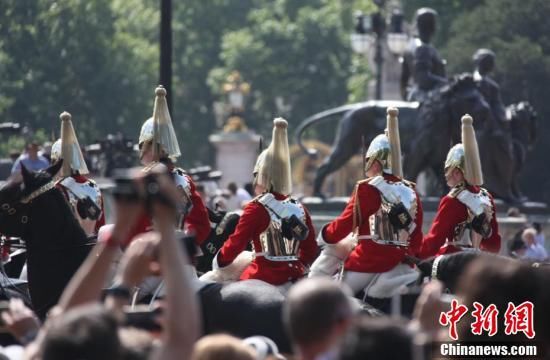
<point x="232" y="187"/>
<point x="313" y="308"/>
<point x="88" y="332"/>
<point x="499" y="281"/>
<point x="377" y="338"/>
<point x="537" y="226"/>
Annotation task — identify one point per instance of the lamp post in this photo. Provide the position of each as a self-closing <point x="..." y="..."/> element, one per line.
<point x="165" y="75"/>
<point x="371" y="30"/>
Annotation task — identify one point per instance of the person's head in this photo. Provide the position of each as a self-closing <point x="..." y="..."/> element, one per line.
<point x="426" y="19"/>
<point x="517" y="248"/>
<point x="454" y="176"/>
<point x="232" y="187"/>
<point x="528" y="236"/>
<point x="32" y="150"/>
<point x="146" y="152"/>
<point x="538" y="227"/>
<point x="316" y="313"/>
<point x="89" y="332"/>
<point x="377" y="338"/>
<point x="484" y="61"/>
<point x="513" y="212"/>
<point x="222" y="347"/>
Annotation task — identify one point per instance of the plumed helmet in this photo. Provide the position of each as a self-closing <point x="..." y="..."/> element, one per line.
<point x="272" y="168"/>
<point x="465" y="156"/>
<point x="68" y="148"/>
<point x="159" y="129"/>
<point x="386" y="148"/>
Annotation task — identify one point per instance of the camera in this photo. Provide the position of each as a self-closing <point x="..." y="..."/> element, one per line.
<point x="141" y="317"/>
<point x="127" y="188"/>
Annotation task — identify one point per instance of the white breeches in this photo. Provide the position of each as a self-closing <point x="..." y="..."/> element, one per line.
<point x="332" y="257"/>
<point x="381" y="285"/>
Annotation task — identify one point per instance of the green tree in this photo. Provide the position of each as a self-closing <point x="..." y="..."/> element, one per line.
<point x="64" y="55"/>
<point x="295" y="50"/>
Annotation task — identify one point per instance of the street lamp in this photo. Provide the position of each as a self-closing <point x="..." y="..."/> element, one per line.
<point x="371" y="30"/>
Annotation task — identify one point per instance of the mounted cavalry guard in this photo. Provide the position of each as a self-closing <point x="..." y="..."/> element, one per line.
<point x="279" y="226"/>
<point x="466" y="217"/>
<point x="380" y="226"/>
<point x="82" y="193"/>
<point x="158" y="143"/>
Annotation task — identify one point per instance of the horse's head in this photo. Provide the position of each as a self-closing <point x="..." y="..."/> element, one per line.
<point x="523" y="123"/>
<point x="17" y="195"/>
<point x="462" y="96"/>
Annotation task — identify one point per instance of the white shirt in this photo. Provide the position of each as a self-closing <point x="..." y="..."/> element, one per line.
<point x="535" y="252"/>
<point x="539" y="238"/>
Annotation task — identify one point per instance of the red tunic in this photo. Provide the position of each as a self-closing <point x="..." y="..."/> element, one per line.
<point x="450" y="213"/>
<point x="368" y="256"/>
<point x="196" y="222"/>
<point x="82" y="179"/>
<point x="254" y="221"/>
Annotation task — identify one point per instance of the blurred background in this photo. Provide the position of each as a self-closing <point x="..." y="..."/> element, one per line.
<point x="99" y="60"/>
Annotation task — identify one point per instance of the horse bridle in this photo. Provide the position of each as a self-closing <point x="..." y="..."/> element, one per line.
<point x="11" y="210"/>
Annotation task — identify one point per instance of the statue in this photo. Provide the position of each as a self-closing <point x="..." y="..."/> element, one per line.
<point x="422" y="61"/>
<point x="427" y="129"/>
<point x="426" y="132"/>
<point x="484" y="61"/>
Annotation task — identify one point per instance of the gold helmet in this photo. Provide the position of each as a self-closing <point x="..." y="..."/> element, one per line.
<point x="68" y="149"/>
<point x="159" y="129"/>
<point x="272" y="169"/>
<point x="386" y="148"/>
<point x="465" y="156"/>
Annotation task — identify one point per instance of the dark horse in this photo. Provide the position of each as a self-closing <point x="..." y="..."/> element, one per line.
<point x="427" y="130"/>
<point x="36" y="211"/>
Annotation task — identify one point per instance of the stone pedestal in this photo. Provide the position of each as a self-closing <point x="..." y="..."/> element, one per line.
<point x="236" y="154"/>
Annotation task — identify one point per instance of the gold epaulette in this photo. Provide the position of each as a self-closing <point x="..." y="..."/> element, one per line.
<point x="455" y="191"/>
